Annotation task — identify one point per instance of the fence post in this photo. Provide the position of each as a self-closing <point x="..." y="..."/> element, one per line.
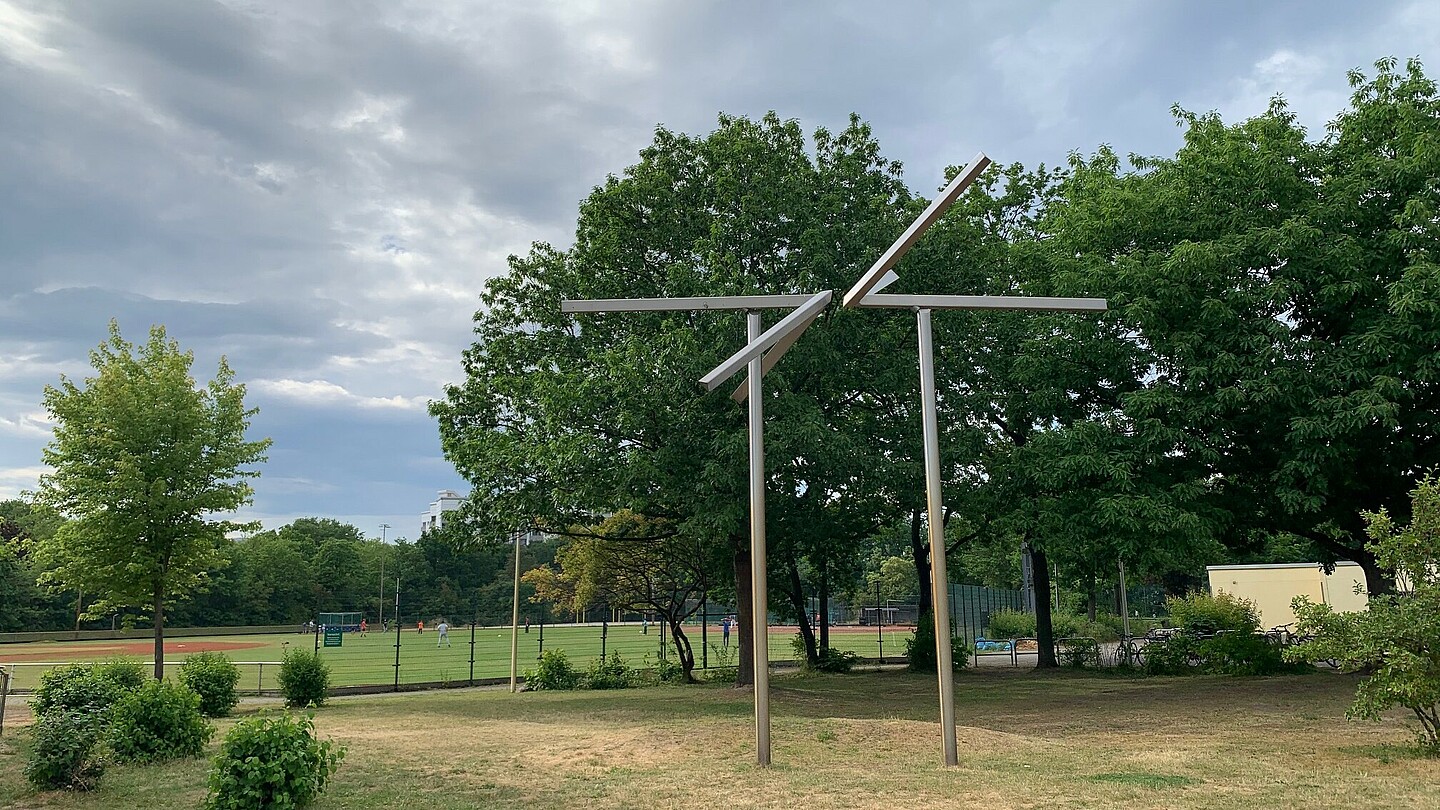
<point x="4" y="692"/>
<point x="398" y="623"/>
<point x="704" y="630"/>
<point x="260" y="679"/>
<point x="879" y="623"/>
<point x="473" y="619"/>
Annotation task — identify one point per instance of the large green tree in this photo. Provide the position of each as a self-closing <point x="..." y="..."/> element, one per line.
<point x="560" y="423"/>
<point x="143" y="462"/>
<point x="1286" y="297"/>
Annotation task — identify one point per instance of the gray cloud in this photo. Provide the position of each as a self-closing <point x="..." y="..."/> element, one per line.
<point x="318" y="190"/>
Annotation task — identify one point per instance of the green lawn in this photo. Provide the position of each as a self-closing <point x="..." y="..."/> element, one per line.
<point x="864" y="740"/>
<point x="371" y="659"/>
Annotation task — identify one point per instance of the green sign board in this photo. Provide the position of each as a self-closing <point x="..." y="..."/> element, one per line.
<point x="334" y="636"/>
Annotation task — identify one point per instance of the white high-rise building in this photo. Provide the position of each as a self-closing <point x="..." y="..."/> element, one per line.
<point x="448" y="500"/>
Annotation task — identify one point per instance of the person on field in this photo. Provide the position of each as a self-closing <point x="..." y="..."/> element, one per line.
<point x="420" y="628"/>
<point x="443" y="634"/>
<point x="645" y="624"/>
<point x="364" y="628"/>
<point x="725" y="632"/>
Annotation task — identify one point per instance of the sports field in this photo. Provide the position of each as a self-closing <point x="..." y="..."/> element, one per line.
<point x="370" y="659"/>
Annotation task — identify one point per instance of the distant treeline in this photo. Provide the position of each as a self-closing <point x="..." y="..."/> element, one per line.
<point x="283" y="576"/>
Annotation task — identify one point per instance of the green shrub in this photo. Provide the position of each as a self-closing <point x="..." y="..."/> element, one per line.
<point x="609" y="673"/>
<point x="64" y="750"/>
<point x="304" y="678"/>
<point x="76" y="688"/>
<point x="668" y="670"/>
<point x="271" y="761"/>
<point x="1008" y="624"/>
<point x="920" y="648"/>
<point x="158" y="722"/>
<point x="213" y="677"/>
<point x="1078" y="652"/>
<point x="128" y="675"/>
<point x="1223" y="654"/>
<point x="833" y="660"/>
<point x="1202" y="613"/>
<point x="554" y="672"/>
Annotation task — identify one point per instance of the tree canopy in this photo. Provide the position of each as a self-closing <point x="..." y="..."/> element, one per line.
<point x="143" y="463"/>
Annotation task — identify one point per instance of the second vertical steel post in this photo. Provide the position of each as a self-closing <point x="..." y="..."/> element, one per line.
<point x="759" y="601"/>
<point x="939" y="581"/>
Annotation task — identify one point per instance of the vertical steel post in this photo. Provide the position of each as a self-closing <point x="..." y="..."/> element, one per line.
<point x="939" y="582"/>
<point x="515" y="619"/>
<point x="4" y="693"/>
<point x="1124" y="601"/>
<point x="759" y="600"/>
<point x="879" y="622"/>
<point x="704" y="635"/>
<point x="473" y="619"/>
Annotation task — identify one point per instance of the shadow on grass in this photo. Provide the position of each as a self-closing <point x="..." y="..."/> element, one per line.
<point x="1391" y="752"/>
<point x="1153" y="781"/>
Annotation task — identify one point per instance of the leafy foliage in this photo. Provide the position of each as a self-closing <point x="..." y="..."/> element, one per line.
<point x="304" y="678"/>
<point x="271" y="761"/>
<point x="1227" y="653"/>
<point x="140" y="459"/>
<point x="553" y="672"/>
<point x="65" y="750"/>
<point x="1394" y="641"/>
<point x="1202" y="613"/>
<point x="84" y="688"/>
<point x="610" y="672"/>
<point x="158" y="722"/>
<point x="920" y="648"/>
<point x="213" y="677"/>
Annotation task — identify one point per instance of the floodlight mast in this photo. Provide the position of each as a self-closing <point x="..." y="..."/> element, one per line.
<point x="864" y="294"/>
<point x="762" y="350"/>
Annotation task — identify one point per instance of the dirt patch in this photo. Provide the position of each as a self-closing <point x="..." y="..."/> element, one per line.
<point x="99" y="652"/>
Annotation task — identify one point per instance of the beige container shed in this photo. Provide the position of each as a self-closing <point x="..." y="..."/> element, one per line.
<point x="1271" y="587"/>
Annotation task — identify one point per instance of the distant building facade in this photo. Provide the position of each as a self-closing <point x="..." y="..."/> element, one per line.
<point x="448" y="500"/>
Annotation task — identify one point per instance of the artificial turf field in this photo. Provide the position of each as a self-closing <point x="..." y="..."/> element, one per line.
<point x="370" y="660"/>
<point x="867" y="740"/>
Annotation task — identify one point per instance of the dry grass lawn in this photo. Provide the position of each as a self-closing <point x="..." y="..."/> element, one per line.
<point x="865" y="740"/>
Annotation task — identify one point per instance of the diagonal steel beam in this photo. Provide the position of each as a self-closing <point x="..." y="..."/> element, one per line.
<point x="789" y="327"/>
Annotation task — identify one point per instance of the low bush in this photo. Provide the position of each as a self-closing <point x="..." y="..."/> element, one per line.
<point x="1079" y="653"/>
<point x="669" y="670"/>
<point x="920" y="648"/>
<point x="1222" y="654"/>
<point x="304" y="679"/>
<point x="213" y="677"/>
<point x="65" y="750"/>
<point x="82" y="688"/>
<point x="833" y="660"/>
<point x="553" y="672"/>
<point x="1201" y="613"/>
<point x="158" y="722"/>
<point x="271" y="761"/>
<point x="610" y="672"/>
<point x="1008" y="624"/>
<point x="128" y="675"/>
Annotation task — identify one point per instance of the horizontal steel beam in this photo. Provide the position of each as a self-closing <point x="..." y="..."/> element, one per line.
<point x="741" y="302"/>
<point x="984" y="302"/>
<point x="917" y="228"/>
<point x="791" y="325"/>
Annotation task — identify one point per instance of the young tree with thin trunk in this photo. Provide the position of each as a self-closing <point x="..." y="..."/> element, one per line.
<point x="143" y="460"/>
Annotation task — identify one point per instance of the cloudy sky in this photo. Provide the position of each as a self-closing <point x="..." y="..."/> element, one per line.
<point x="318" y="190"/>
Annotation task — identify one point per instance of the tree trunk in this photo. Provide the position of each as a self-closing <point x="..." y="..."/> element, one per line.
<point x="1090" y="599"/>
<point x="1044" y="629"/>
<point x="159" y="631"/>
<point x="682" y="648"/>
<point x="796" y="592"/>
<point x="745" y="671"/>
<point x="824" y="607"/>
<point x="920" y="553"/>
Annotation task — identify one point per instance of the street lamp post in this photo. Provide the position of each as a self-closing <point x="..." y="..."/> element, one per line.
<point x="381" y="620"/>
